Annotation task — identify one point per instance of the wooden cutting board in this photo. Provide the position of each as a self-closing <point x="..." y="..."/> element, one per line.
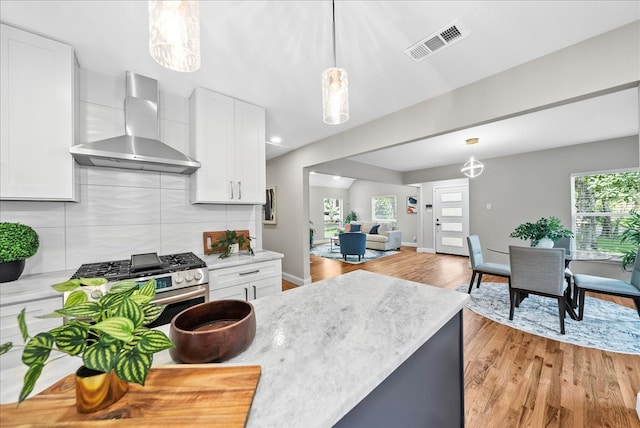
<point x="173" y="395"/>
<point x="210" y="238"/>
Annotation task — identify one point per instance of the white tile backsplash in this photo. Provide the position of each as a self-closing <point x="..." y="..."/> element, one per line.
<point x="106" y="243"/>
<point x="123" y="212"/>
<point x="34" y="213"/>
<point x="107" y="206"/>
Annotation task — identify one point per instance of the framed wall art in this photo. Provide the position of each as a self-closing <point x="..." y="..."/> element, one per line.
<point x="412" y="204"/>
<point x="269" y="208"/>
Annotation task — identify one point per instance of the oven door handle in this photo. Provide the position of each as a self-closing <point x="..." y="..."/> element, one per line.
<point x="182" y="297"/>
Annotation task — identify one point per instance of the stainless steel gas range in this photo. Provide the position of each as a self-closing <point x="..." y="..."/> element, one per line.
<point x="182" y="280"/>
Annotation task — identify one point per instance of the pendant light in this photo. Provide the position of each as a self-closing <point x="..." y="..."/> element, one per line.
<point x="473" y="167"/>
<point x="174" y="34"/>
<point x="335" y="88"/>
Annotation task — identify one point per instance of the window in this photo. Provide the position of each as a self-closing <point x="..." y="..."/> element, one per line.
<point x="601" y="205"/>
<point x="383" y="209"/>
<point x="332" y="216"/>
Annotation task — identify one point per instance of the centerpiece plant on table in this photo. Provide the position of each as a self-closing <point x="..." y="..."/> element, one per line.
<point x="550" y="228"/>
<point x="107" y="331"/>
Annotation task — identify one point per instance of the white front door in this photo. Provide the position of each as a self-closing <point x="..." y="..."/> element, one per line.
<point x="451" y="215"/>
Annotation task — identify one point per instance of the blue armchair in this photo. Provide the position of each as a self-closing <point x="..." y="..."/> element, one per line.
<point x="352" y="244"/>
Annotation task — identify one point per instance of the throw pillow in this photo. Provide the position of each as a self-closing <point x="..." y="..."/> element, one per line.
<point x="347" y="227"/>
<point x="355" y="228"/>
<point x="374" y="229"/>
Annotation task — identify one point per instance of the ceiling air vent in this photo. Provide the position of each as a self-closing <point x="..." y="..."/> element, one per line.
<point x="437" y="41"/>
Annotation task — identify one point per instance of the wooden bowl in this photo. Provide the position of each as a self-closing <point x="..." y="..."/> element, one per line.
<point x="212" y="331"/>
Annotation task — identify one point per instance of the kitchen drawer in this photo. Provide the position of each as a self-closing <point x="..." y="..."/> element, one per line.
<point x="10" y="331"/>
<point x="226" y="277"/>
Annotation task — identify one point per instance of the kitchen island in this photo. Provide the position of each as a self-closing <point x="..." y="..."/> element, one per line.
<point x="359" y="349"/>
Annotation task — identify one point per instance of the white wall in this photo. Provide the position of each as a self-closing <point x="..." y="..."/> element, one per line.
<point x="124" y="212"/>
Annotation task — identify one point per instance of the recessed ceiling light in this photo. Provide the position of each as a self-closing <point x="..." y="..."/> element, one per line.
<point x="336" y="177"/>
<point x="276" y="140"/>
<point x="312" y="172"/>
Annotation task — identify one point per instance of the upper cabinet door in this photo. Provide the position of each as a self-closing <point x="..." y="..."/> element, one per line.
<point x="250" y="158"/>
<point x="37" y="87"/>
<point x="227" y="138"/>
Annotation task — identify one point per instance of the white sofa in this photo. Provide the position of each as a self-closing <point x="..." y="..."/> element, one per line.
<point x="385" y="239"/>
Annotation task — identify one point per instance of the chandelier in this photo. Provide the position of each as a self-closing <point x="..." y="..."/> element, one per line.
<point x="335" y="88"/>
<point x="174" y="34"/>
<point x="473" y="167"/>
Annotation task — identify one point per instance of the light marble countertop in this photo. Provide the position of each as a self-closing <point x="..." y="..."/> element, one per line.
<point x="215" y="262"/>
<point x="323" y="347"/>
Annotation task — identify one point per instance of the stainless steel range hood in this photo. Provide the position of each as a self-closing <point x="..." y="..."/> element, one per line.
<point x="140" y="147"/>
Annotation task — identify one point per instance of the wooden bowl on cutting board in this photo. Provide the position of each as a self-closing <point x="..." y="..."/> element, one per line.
<point x="212" y="331"/>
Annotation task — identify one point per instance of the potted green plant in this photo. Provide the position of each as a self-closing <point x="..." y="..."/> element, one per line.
<point x="631" y="235"/>
<point x="231" y="242"/>
<point x="542" y="233"/>
<point x="18" y="242"/>
<point x="352" y="216"/>
<point x="107" y="332"/>
<point x="312" y="233"/>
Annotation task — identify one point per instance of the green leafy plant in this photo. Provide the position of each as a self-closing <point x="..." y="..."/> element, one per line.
<point x="312" y="233"/>
<point x="352" y="216"/>
<point x="17" y="242"/>
<point x="631" y="235"/>
<point x="544" y="228"/>
<point x="108" y="333"/>
<point x="231" y="237"/>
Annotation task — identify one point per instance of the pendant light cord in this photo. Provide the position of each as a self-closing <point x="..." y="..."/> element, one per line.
<point x="333" y="7"/>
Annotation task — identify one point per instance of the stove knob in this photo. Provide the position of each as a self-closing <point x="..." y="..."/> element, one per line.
<point x="198" y="276"/>
<point x="179" y="278"/>
<point x="189" y="277"/>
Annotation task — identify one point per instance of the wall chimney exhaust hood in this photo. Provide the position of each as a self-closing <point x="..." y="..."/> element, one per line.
<point x="140" y="147"/>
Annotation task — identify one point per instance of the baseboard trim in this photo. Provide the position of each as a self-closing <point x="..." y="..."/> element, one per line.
<point x="295" y="279"/>
<point x="426" y="250"/>
<point x="409" y="244"/>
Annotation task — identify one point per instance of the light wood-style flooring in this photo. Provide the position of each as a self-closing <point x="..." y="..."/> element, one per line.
<point x="512" y="378"/>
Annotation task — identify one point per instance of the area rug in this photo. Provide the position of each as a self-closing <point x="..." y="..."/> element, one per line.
<point x="606" y="325"/>
<point x="325" y="251"/>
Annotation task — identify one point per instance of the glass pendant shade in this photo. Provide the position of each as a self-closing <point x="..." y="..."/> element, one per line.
<point x="174" y="34"/>
<point x="335" y="96"/>
<point x="473" y="168"/>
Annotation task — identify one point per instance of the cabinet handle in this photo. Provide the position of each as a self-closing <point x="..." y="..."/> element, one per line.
<point x="255" y="295"/>
<point x="231" y="187"/>
<point x="246" y="294"/>
<point x="249" y="272"/>
<point x="239" y="190"/>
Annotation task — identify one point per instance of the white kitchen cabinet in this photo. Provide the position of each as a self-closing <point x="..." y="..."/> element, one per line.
<point x="10" y="331"/>
<point x="228" y="138"/>
<point x="37" y="117"/>
<point x="247" y="282"/>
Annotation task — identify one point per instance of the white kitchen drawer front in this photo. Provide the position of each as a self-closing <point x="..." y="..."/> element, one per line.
<point x="236" y="292"/>
<point x="10" y="331"/>
<point x="227" y="277"/>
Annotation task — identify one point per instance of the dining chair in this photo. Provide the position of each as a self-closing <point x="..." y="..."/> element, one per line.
<point x="479" y="266"/>
<point x="614" y="287"/>
<point x="537" y="271"/>
<point x="568" y="275"/>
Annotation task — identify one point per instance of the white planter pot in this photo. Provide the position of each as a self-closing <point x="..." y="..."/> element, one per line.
<point x="234" y="248"/>
<point x="544" y="243"/>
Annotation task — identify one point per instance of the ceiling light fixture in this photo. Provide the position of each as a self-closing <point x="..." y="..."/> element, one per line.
<point x="174" y="34"/>
<point x="473" y="167"/>
<point x="335" y="88"/>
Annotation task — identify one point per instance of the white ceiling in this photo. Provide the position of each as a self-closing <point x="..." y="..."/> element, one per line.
<point x="272" y="53"/>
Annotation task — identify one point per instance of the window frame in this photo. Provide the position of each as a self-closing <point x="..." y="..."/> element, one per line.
<point x="373" y="209"/>
<point x="575" y="214"/>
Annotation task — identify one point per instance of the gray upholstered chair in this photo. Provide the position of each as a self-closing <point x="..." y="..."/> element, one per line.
<point x="615" y="287"/>
<point x="568" y="275"/>
<point x="353" y="243"/>
<point x="537" y="271"/>
<point x="479" y="266"/>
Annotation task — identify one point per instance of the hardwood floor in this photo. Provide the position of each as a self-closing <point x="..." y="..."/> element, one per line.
<point x="512" y="378"/>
